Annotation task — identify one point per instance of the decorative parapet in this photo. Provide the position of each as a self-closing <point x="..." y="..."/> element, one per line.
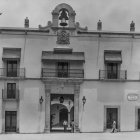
<point x="57" y="21"/>
<point x="79" y="28"/>
<point x="49" y="25"/>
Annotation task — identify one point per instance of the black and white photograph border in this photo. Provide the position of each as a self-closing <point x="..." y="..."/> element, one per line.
<point x="69" y="69"/>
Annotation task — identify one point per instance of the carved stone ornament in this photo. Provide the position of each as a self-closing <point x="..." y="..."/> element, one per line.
<point x="63" y="37"/>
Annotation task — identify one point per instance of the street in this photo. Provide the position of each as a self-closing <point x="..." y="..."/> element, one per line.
<point x="73" y="136"/>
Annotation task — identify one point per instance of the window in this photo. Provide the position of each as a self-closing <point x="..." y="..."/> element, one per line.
<point x="10" y="121"/>
<point x="112" y="70"/>
<point x="62" y="69"/>
<point x="12" y="68"/>
<point x="113" y="60"/>
<point x="11" y="90"/>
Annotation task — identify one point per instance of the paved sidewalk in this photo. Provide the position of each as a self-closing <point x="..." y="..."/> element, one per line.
<point x="73" y="136"/>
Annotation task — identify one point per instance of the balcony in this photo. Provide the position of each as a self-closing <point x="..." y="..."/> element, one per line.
<point x="70" y="73"/>
<point x="10" y="95"/>
<point x="112" y="75"/>
<point x="19" y="73"/>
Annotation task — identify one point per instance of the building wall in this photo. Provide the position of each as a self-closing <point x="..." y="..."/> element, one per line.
<point x="94" y="53"/>
<point x="32" y="113"/>
<point x="1" y="108"/>
<point x="97" y="93"/>
<point x="101" y="94"/>
<point x="33" y="45"/>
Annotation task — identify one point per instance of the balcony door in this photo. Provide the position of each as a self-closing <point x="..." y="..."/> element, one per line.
<point x="10" y="121"/>
<point x="62" y="69"/>
<point x="11" y="90"/>
<point x="12" y="68"/>
<point x="112" y="71"/>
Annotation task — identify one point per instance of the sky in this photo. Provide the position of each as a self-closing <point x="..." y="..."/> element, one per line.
<point x="116" y="15"/>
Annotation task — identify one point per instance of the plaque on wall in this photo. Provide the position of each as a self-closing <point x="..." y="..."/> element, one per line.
<point x="132" y="97"/>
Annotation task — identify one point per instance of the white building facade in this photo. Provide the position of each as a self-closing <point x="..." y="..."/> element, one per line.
<point x="65" y="72"/>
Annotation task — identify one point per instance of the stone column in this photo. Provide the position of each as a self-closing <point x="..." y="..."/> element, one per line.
<point x="47" y="108"/>
<point x="76" y="108"/>
<point x="69" y="118"/>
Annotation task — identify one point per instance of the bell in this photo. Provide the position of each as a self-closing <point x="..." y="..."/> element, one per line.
<point x="63" y="22"/>
<point x="63" y="17"/>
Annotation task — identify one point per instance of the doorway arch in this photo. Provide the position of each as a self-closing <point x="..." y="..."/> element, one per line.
<point x="58" y="114"/>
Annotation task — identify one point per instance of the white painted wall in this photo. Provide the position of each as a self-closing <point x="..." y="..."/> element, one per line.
<point x="93" y="47"/>
<point x="32" y="114"/>
<point x="99" y="95"/>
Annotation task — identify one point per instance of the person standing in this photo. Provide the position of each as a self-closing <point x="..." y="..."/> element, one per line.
<point x="65" y="125"/>
<point x="114" y="126"/>
<point x="72" y="126"/>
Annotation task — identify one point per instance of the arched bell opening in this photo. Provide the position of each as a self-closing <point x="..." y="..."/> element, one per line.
<point x="69" y="15"/>
<point x="63" y="17"/>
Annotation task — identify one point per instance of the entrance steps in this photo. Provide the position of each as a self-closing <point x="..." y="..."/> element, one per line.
<point x="60" y="129"/>
<point x="108" y="130"/>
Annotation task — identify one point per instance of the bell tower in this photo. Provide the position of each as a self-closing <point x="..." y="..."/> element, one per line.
<point x="63" y="15"/>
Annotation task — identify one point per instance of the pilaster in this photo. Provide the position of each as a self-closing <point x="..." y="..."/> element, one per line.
<point x="47" y="108"/>
<point x="3" y="116"/>
<point x="76" y="107"/>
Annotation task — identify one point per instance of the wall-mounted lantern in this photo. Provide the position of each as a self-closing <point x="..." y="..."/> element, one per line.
<point x="41" y="100"/>
<point x="61" y="99"/>
<point x="84" y="100"/>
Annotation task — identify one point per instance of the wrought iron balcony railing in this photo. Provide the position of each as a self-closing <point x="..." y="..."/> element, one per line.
<point x="70" y="73"/>
<point x="107" y="74"/>
<point x="18" y="72"/>
<point x="10" y="94"/>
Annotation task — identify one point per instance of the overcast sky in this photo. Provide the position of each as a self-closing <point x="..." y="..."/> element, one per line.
<point x="115" y="14"/>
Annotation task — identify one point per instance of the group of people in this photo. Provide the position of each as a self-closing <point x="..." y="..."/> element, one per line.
<point x="65" y="124"/>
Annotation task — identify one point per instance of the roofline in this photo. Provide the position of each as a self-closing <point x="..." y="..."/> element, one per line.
<point x="94" y="32"/>
<point x="20" y="29"/>
<point x="108" y="32"/>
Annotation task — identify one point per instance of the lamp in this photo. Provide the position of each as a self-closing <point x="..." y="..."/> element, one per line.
<point x="61" y="99"/>
<point x="41" y="100"/>
<point x="84" y="100"/>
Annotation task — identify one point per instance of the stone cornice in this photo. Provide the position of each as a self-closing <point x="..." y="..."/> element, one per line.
<point x="23" y="30"/>
<point x="80" y="31"/>
<point x="68" y="81"/>
<point x="108" y="33"/>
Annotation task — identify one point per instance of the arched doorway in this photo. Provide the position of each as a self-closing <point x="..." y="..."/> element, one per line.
<point x="63" y="115"/>
<point x="61" y="110"/>
<point x="58" y="114"/>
